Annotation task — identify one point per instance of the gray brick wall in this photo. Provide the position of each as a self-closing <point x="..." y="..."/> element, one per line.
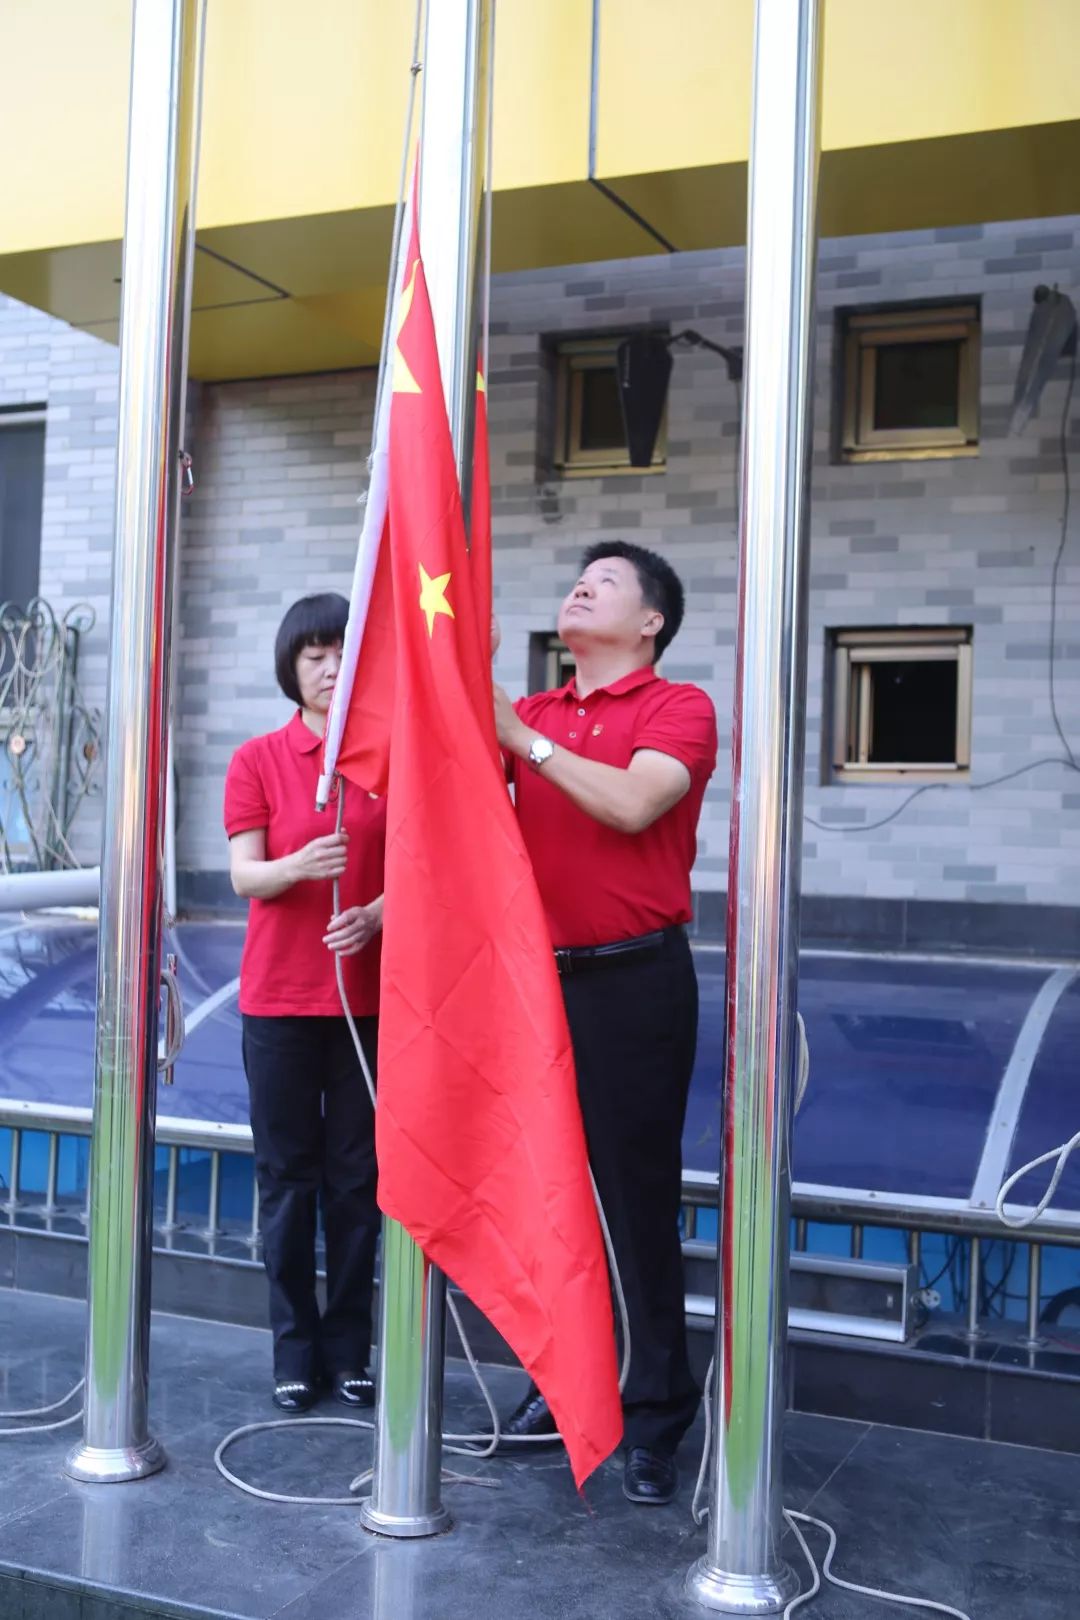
<point x="923" y="542"/>
<point x="279" y="468"/>
<point x="280" y="465"/>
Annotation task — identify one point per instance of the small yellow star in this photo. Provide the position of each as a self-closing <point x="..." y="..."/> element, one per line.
<point x="433" y="597"/>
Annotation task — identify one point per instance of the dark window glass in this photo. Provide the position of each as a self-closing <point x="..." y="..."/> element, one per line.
<point x="917" y="385"/>
<point x="22" y="477"/>
<point x="601" y="412"/>
<point x="913" y="720"/>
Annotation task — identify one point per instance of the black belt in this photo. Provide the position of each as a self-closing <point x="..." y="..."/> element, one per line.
<point x="582" y="958"/>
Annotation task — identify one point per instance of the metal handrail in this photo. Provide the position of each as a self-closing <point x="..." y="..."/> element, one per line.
<point x="847" y="1206"/>
<point x="71" y="1121"/>
<point x="833" y="1205"/>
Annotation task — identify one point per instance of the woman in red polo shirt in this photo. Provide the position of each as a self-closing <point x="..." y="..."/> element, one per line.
<point x="311" y="1119"/>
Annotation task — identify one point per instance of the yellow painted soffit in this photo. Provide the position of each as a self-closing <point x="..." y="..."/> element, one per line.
<point x="303" y="109"/>
<point x="677" y="96"/>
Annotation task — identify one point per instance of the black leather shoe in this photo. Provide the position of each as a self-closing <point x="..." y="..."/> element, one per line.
<point x="295" y="1395"/>
<point x="649" y="1477"/>
<point x="532" y="1418"/>
<point x="354" y="1389"/>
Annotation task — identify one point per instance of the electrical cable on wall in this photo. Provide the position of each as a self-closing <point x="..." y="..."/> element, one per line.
<point x="1069" y="761"/>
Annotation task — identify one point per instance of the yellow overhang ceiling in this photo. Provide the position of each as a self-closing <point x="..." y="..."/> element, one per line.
<point x="933" y="114"/>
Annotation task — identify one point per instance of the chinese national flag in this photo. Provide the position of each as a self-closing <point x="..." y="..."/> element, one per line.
<point x="481" y="1149"/>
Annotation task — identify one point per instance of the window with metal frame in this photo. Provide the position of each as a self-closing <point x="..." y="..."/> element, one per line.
<point x="22" y="484"/>
<point x="590" y="438"/>
<point x="551" y="663"/>
<point x="910" y="383"/>
<point x="901" y="704"/>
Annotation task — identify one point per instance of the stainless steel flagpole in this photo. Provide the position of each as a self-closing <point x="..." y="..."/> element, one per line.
<point x="742" y="1571"/>
<point x="406" y="1496"/>
<point x="159" y="239"/>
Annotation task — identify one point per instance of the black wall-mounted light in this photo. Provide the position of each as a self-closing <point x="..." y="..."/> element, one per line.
<point x="1051" y="336"/>
<point x="643" y="368"/>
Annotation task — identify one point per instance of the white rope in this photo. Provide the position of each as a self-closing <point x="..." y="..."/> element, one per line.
<point x="794" y="1520"/>
<point x="174" y="1021"/>
<point x="351" y="1500"/>
<point x="493" y="1440"/>
<point x="43" y="1411"/>
<point x="700" y="1513"/>
<point x="42" y="1428"/>
<point x="699" y="1509"/>
<point x="802" y="1072"/>
<point x="285" y="1423"/>
<point x="1062" y="1154"/>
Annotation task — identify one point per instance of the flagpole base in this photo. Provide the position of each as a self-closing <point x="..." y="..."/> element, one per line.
<point x="402" y="1527"/>
<point x="114" y="1465"/>
<point x="724" y="1593"/>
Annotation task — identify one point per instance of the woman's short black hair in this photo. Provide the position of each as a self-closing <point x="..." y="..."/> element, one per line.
<point x="661" y="587"/>
<point x="314" y="621"/>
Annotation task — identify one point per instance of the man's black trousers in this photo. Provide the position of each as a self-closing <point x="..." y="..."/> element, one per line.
<point x="314" y="1136"/>
<point x="633" y="1022"/>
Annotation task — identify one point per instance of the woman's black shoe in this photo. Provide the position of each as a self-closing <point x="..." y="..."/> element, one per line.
<point x="354" y="1389"/>
<point x="295" y="1395"/>
<point x="532" y="1419"/>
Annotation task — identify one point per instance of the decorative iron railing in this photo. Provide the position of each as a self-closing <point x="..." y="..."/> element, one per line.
<point x="50" y="739"/>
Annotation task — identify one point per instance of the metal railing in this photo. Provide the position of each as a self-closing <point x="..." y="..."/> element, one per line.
<point x="50" y="1210"/>
<point x="57" y="1121"/>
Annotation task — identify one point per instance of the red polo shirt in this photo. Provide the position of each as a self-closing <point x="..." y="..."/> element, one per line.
<point x="286" y="970"/>
<point x="599" y="885"/>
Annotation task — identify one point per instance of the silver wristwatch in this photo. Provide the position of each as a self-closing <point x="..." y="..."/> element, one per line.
<point x="540" y="751"/>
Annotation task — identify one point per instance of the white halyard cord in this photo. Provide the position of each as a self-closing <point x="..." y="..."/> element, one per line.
<point x="700" y="1513"/>
<point x="44" y="1411"/>
<point x="699" y="1509"/>
<point x="1062" y="1155"/>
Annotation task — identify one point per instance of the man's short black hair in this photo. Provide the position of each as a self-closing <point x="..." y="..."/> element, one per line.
<point x="314" y="621"/>
<point x="661" y="587"/>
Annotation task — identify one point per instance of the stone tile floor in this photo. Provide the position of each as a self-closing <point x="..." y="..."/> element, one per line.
<point x="988" y="1528"/>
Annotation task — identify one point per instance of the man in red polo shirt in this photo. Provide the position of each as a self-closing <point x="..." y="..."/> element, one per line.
<point x="609" y="774"/>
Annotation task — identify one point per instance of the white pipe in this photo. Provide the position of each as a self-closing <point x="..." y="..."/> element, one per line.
<point x="34" y="891"/>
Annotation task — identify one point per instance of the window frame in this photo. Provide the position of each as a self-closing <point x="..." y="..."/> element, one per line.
<point x="18" y="418"/>
<point x="573" y="358"/>
<point x="864" y="334"/>
<point x="548" y="654"/>
<point x="856" y="652"/>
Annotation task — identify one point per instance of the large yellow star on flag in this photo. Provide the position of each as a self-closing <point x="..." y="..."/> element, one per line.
<point x="433" y="597"/>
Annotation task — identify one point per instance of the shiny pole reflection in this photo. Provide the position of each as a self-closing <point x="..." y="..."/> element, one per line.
<point x="158" y="248"/>
<point x="406" y="1495"/>
<point x="742" y="1571"/>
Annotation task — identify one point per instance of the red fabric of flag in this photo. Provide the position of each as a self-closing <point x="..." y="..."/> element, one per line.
<point x="481" y="1149"/>
<point x="364" y="755"/>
